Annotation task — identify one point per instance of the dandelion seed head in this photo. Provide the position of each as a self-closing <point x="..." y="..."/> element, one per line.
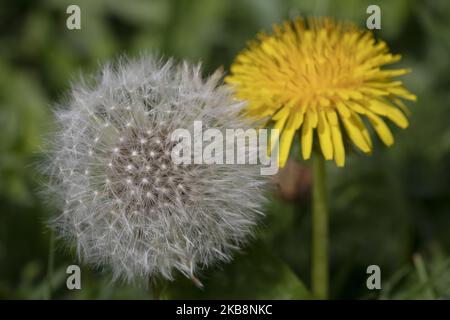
<point x="125" y="204"/>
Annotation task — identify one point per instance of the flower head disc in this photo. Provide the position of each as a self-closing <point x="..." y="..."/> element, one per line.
<point x="323" y="75"/>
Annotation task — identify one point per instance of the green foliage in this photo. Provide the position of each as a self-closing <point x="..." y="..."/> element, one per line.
<point x="421" y="280"/>
<point x="254" y="274"/>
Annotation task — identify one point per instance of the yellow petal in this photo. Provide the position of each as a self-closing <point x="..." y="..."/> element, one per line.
<point x="325" y="137"/>
<point x="342" y="94"/>
<point x="343" y="110"/>
<point x="281" y="118"/>
<point x="392" y="113"/>
<point x="402" y="92"/>
<point x="396" y="116"/>
<point x="363" y="129"/>
<point x="356" y="134"/>
<point x="378" y="107"/>
<point x="374" y="91"/>
<point x="339" y="151"/>
<point x="393" y="73"/>
<point x="399" y="103"/>
<point x="381" y="129"/>
<point x="288" y="134"/>
<point x="355" y="94"/>
<point x="307" y="137"/>
<point x="356" y="107"/>
<point x="323" y="102"/>
<point x="313" y="118"/>
<point x="332" y="118"/>
<point x="279" y="125"/>
<point x="285" y="146"/>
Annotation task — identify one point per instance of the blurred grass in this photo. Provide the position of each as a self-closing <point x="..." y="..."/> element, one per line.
<point x="384" y="208"/>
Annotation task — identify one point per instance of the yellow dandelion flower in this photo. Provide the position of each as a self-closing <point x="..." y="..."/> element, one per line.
<point x="322" y="76"/>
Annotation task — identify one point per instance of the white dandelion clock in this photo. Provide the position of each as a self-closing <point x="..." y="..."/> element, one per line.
<point x="125" y="204"/>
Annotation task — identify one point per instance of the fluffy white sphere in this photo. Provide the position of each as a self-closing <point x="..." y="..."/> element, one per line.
<point x="124" y="203"/>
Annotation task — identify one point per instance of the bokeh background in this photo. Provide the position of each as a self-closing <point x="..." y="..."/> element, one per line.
<point x="391" y="209"/>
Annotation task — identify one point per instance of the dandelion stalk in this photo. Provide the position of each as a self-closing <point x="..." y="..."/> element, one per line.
<point x="319" y="230"/>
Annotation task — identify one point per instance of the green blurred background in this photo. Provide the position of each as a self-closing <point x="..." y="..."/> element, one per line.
<point x="391" y="209"/>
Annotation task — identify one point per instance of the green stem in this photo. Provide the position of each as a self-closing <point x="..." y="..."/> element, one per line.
<point x="319" y="230"/>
